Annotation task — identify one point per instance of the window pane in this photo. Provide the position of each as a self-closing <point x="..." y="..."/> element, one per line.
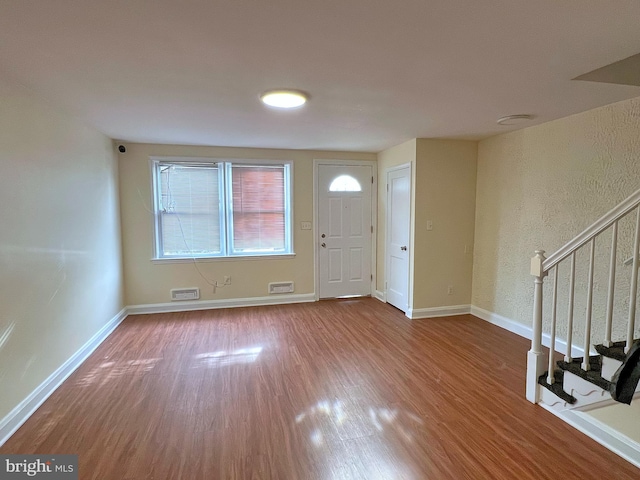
<point x="190" y="210"/>
<point x="345" y="183"/>
<point x="258" y="208"/>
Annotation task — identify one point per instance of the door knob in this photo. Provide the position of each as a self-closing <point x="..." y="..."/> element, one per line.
<point x="323" y="245"/>
<point x="403" y="248"/>
<point x="323" y="235"/>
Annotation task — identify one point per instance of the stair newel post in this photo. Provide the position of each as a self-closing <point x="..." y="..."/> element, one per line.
<point x="552" y="346"/>
<point x="587" y="322"/>
<point x="633" y="294"/>
<point x="535" y="360"/>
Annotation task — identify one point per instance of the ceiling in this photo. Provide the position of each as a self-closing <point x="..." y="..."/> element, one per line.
<point x="379" y="72"/>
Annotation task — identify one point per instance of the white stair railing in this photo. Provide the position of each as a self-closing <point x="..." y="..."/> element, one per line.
<point x="540" y="268"/>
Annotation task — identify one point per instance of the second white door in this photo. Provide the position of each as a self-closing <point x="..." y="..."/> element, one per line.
<point x="398" y="233"/>
<point x="344" y="230"/>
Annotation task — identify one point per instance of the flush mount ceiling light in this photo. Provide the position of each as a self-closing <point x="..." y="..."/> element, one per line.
<point x="284" y="98"/>
<point x="514" y="119"/>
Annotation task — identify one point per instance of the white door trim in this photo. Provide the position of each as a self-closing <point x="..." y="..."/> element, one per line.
<point x="374" y="216"/>
<point x="387" y="171"/>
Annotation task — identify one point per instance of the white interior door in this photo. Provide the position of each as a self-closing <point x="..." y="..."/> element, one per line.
<point x="398" y="228"/>
<point x="344" y="233"/>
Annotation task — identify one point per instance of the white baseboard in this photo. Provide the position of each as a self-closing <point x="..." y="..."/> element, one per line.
<point x="503" y="322"/>
<point x="433" y="312"/>
<point x="524" y="330"/>
<point x="606" y="436"/>
<point x="16" y="417"/>
<point x="223" y="303"/>
<point x="380" y="296"/>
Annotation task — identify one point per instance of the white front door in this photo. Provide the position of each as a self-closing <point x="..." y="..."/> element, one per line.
<point x="398" y="233"/>
<point x="344" y="233"/>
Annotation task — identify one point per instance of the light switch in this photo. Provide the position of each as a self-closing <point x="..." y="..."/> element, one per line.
<point x="305" y="225"/>
<point x="429" y="225"/>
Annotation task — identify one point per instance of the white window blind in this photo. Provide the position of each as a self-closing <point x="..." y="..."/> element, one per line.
<point x="190" y="210"/>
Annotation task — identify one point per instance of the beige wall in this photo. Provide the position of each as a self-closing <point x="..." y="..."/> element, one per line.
<point x="445" y="183"/>
<point x="60" y="264"/>
<point x="443" y="191"/>
<point x="538" y="188"/>
<point x="392" y="157"/>
<point x="149" y="283"/>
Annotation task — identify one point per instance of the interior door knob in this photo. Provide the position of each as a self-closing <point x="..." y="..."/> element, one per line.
<point x="403" y="248"/>
<point x="323" y="245"/>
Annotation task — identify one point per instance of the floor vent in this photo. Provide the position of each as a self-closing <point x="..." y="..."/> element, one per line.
<point x="185" y="294"/>
<point x="280" y="287"/>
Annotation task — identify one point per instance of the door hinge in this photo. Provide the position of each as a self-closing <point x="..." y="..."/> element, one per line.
<point x="371" y="179"/>
<point x="371" y="228"/>
<point x="387" y="187"/>
<point x="372" y="277"/>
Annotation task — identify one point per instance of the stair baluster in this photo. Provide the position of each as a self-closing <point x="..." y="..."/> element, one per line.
<point x="587" y="324"/>
<point x="612" y="282"/>
<point x="552" y="344"/>
<point x="633" y="294"/>
<point x="572" y="278"/>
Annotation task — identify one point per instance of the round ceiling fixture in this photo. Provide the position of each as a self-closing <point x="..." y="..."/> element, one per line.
<point x="284" y="98"/>
<point x="514" y="119"/>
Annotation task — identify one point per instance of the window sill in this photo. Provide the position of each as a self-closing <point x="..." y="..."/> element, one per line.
<point x="282" y="256"/>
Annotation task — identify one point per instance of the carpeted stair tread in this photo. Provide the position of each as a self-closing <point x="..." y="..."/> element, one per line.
<point x="592" y="375"/>
<point x="557" y="386"/>
<point x="615" y="351"/>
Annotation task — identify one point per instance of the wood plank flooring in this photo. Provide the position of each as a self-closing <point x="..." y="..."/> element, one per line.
<point x="345" y="389"/>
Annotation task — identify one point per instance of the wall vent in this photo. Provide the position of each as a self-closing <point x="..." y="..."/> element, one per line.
<point x="280" y="287"/>
<point x="178" y="294"/>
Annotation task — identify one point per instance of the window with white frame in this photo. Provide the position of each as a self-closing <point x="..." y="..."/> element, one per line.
<point x="221" y="208"/>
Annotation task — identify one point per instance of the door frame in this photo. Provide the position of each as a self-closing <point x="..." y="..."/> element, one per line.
<point x="374" y="217"/>
<point x="387" y="234"/>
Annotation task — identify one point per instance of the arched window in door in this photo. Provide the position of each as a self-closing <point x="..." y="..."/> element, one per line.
<point x="345" y="183"/>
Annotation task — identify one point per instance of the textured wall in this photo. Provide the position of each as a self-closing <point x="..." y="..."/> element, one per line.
<point x="538" y="188"/>
<point x="148" y="283"/>
<point x="60" y="263"/>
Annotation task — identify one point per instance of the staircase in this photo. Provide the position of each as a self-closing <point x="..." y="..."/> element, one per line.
<point x="605" y="379"/>
<point x="594" y="348"/>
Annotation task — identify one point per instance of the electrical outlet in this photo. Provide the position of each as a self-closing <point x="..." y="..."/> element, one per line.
<point x="450" y="290"/>
<point x="227" y="280"/>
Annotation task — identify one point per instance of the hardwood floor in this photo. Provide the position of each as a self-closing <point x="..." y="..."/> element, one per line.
<point x="346" y="389"/>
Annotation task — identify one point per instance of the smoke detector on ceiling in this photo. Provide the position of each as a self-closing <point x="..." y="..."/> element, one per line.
<point x="514" y="119"/>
